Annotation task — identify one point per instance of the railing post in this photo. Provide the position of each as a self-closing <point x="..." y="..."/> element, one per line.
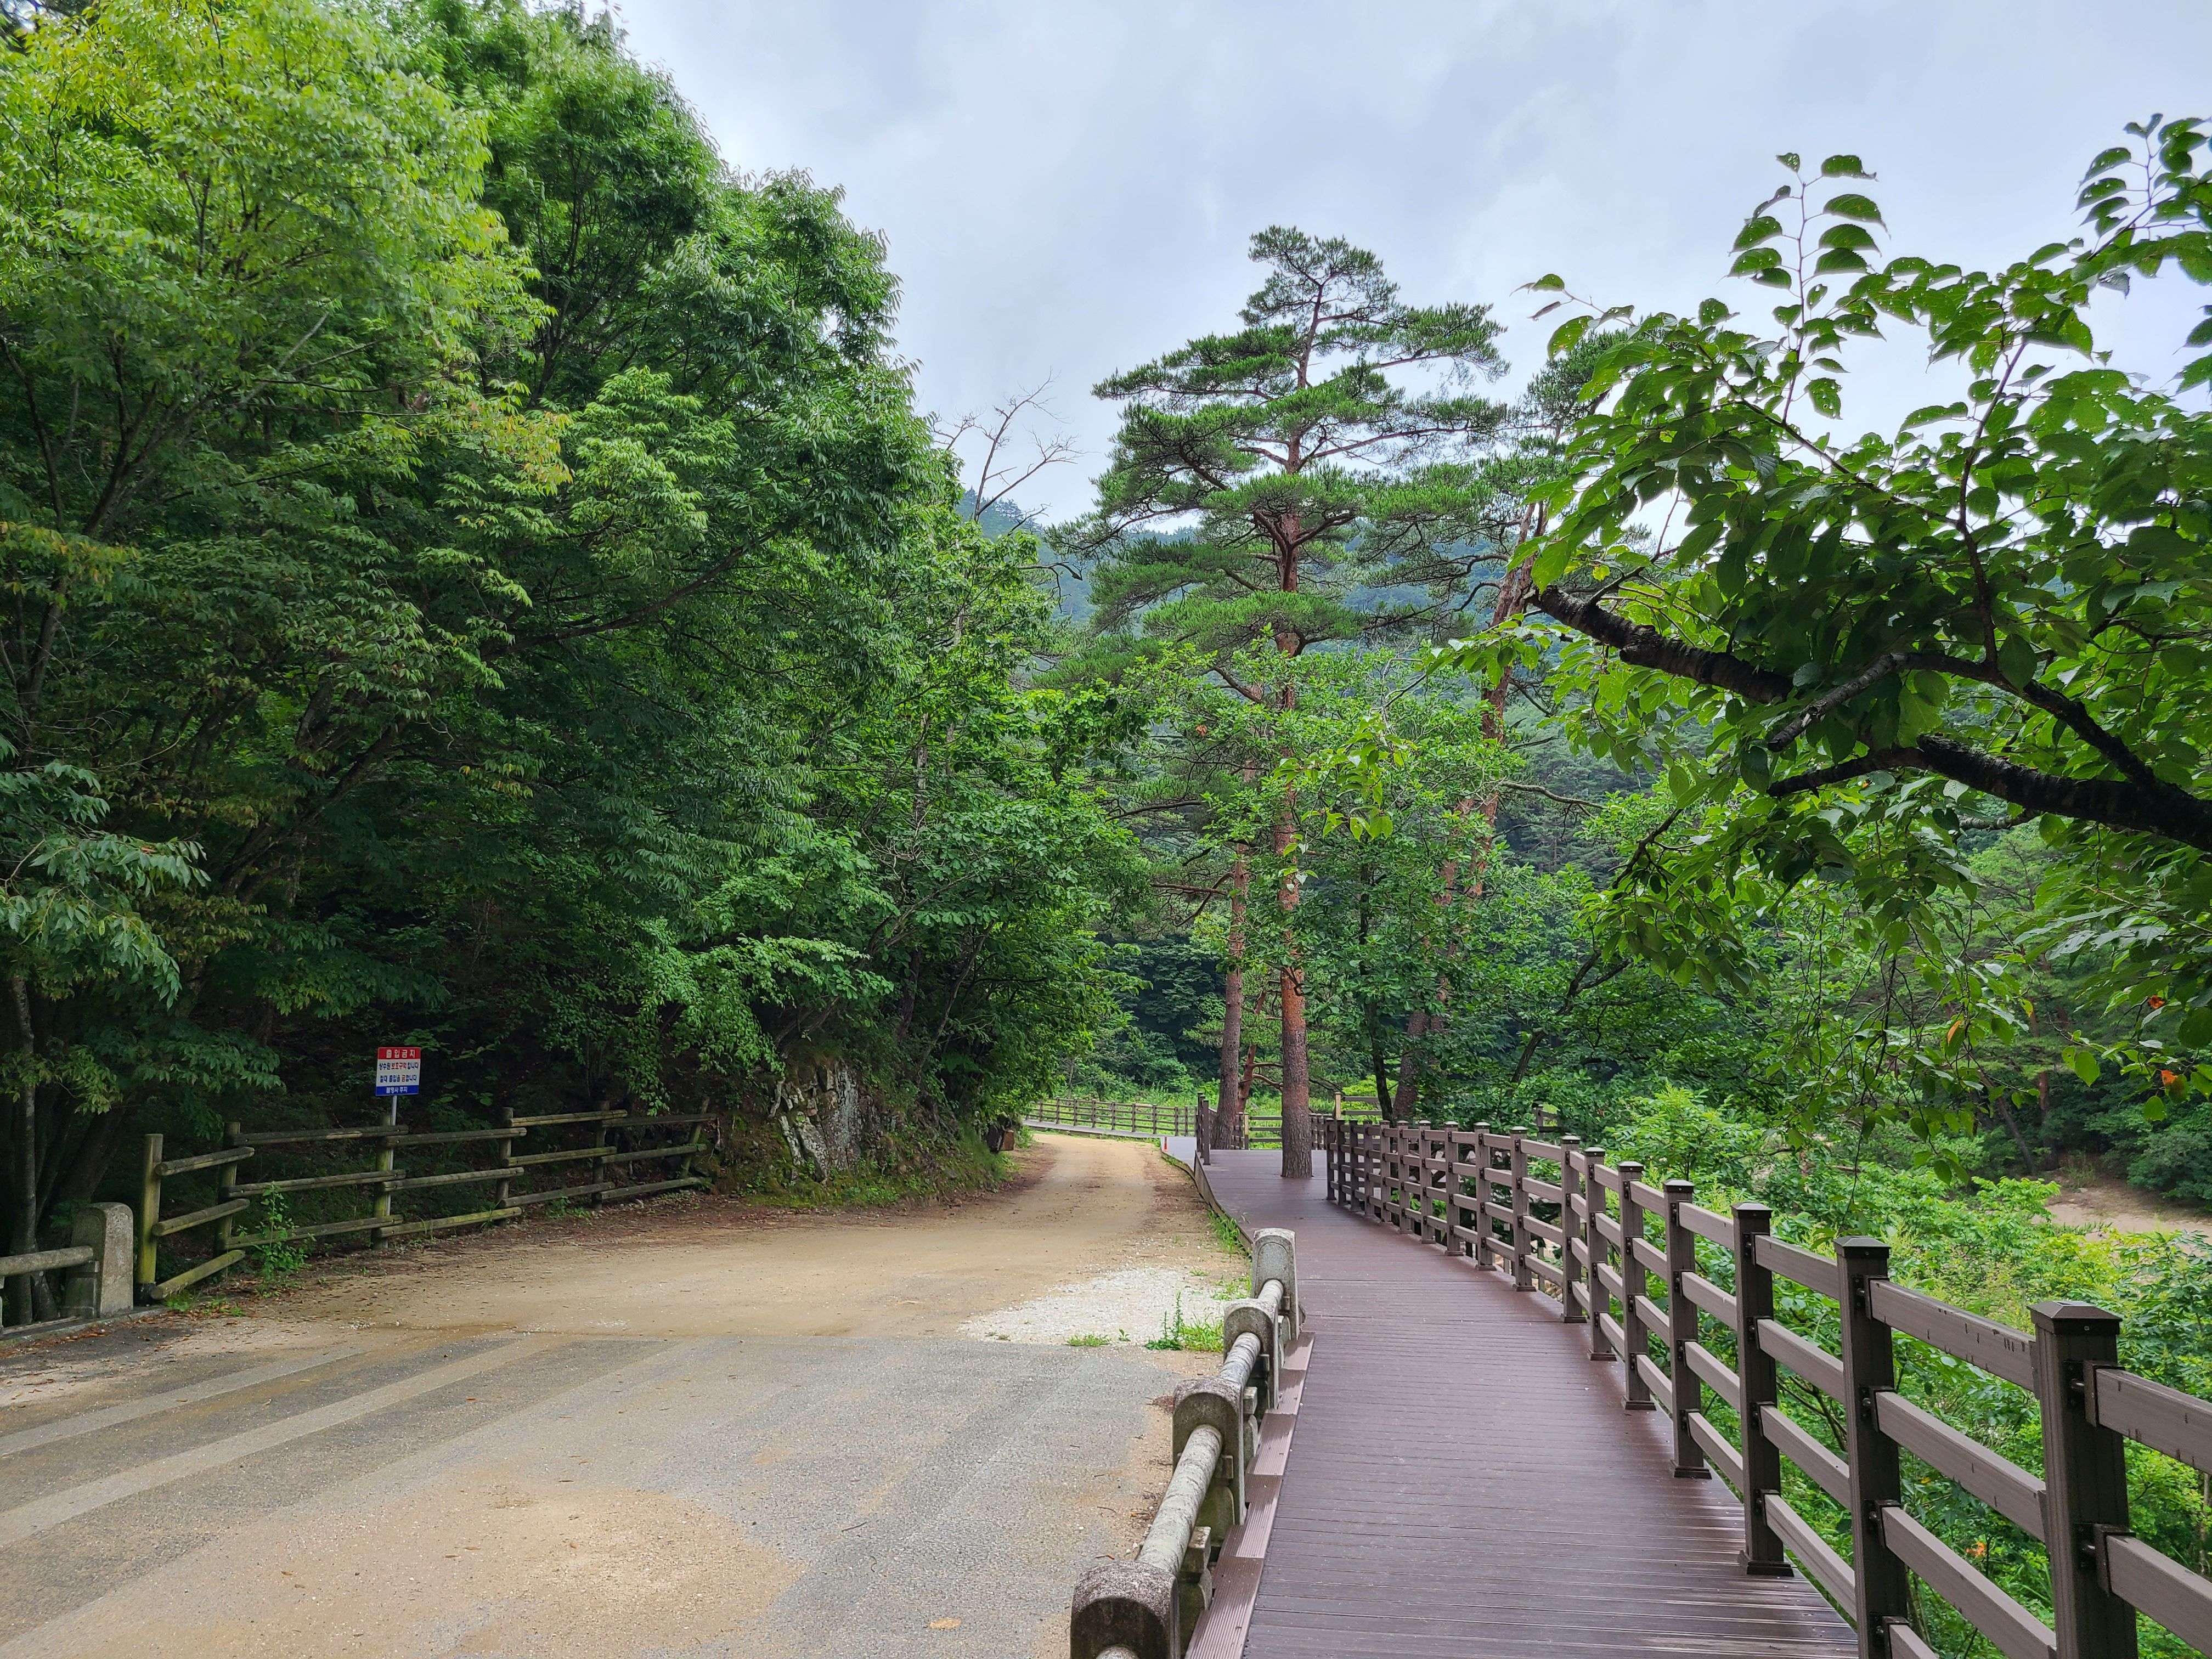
<point x="2085" y="1479"/>
<point x="1762" y="1459"/>
<point x="1600" y="1347"/>
<point x="234" y="1135"/>
<point x="1571" y="1269"/>
<point x="1681" y="1331"/>
<point x="382" y="1206"/>
<point x="1634" y="1282"/>
<point x="1484" y="1252"/>
<point x="1517" y="1164"/>
<point x="1436" y="1183"/>
<point x="149" y="1208"/>
<point x="1881" y="1587"/>
<point x="503" y="1190"/>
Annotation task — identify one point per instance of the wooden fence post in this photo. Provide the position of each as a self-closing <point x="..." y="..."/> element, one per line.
<point x="1881" y="1586"/>
<point x="1437" y="1183"/>
<point x="1485" y="1251"/>
<point x="2085" y="1479"/>
<point x="149" y="1208"/>
<point x="1762" y="1554"/>
<point x="1570" y="1268"/>
<point x="1518" y="1163"/>
<point x="1594" y="1241"/>
<point x="1681" y="1331"/>
<point x="1634" y="1283"/>
<point x="234" y="1135"/>
<point x="502" y="1191"/>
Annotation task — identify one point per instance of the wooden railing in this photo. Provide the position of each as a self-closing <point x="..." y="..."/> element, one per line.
<point x="1586" y="1237"/>
<point x="512" y="1177"/>
<point x="1139" y="1117"/>
<point x="1151" y="1607"/>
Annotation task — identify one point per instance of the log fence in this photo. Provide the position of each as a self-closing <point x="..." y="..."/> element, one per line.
<point x="1585" y="1238"/>
<point x="1135" y="1117"/>
<point x="517" y="1181"/>
<point x="1151" y="1607"/>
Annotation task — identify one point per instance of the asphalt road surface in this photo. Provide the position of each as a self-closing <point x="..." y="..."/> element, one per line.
<point x="336" y="1473"/>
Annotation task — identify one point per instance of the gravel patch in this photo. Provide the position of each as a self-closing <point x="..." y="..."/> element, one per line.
<point x="1130" y="1306"/>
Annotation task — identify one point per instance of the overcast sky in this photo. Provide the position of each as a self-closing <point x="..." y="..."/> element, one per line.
<point x="1067" y="188"/>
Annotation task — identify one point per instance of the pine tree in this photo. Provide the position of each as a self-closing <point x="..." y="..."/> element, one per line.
<point x="1260" y="478"/>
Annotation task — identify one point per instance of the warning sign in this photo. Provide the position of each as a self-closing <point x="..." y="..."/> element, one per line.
<point x="398" y="1071"/>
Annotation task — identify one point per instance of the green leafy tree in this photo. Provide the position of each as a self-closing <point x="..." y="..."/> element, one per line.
<point x="1843" y="654"/>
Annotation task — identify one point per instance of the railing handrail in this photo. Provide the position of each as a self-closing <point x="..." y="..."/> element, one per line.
<point x="1412" y="1177"/>
<point x="1149" y="1609"/>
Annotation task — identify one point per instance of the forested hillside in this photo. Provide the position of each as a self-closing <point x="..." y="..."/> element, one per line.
<point x="476" y="579"/>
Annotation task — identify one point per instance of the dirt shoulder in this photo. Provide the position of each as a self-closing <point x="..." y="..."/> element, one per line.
<point x="1077" y="1210"/>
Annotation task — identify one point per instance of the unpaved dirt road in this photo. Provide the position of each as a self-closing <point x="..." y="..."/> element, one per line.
<point x="696" y="1430"/>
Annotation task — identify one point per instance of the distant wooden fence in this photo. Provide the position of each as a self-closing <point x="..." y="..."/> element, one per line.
<point x="1584" y="1233"/>
<point x="1153" y="1608"/>
<point x="512" y="1177"/>
<point x="1258" y="1132"/>
<point x="1139" y="1117"/>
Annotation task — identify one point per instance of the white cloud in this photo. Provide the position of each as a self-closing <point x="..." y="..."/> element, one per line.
<point x="1067" y="188"/>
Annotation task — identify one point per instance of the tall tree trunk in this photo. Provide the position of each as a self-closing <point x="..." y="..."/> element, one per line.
<point x="38" y="1303"/>
<point x="1409" y="1064"/>
<point x="1231" y="1095"/>
<point x="1297" y="1125"/>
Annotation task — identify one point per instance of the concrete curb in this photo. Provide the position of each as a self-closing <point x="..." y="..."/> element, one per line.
<point x="1221" y="1629"/>
<point x="1196" y="1171"/>
<point x="23" y="1336"/>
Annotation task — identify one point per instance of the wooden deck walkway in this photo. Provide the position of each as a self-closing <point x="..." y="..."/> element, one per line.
<point x="1465" y="1483"/>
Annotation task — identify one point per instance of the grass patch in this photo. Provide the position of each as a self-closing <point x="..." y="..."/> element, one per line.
<point x="1180" y="1335"/>
<point x="1089" y="1341"/>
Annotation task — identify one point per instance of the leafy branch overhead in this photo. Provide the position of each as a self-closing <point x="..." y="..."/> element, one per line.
<point x="1824" y="639"/>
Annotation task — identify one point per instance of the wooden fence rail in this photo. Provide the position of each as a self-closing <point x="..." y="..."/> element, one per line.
<point x="513" y="1177"/>
<point x="1150" y="1608"/>
<point x="1586" y="1238"/>
<point x="1140" y="1117"/>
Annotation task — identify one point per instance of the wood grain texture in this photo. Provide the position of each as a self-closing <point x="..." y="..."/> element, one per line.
<point x="1426" y="1543"/>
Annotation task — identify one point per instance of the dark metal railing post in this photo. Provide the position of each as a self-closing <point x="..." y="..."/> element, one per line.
<point x="1570" y="1268"/>
<point x="2085" y="1479"/>
<point x="1681" y="1331"/>
<point x="1523" y="1278"/>
<point x="1594" y="1240"/>
<point x="1634" y="1281"/>
<point x="1762" y="1459"/>
<point x="1881" y="1588"/>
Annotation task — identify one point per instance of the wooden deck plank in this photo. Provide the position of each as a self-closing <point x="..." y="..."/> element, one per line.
<point x="1465" y="1484"/>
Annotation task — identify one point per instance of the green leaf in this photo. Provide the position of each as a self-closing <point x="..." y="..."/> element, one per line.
<point x="1758" y="259"/>
<point x="1789" y="158"/>
<point x="1759" y="227"/>
<point x="1772" y="277"/>
<point x="1839" y="258"/>
<point x="1827" y="397"/>
<point x="2083" y="1064"/>
<point x="1564" y="337"/>
<point x="1549" y="283"/>
<point x="1843" y="166"/>
<point x="1850" y="205"/>
<point x="1711" y="312"/>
